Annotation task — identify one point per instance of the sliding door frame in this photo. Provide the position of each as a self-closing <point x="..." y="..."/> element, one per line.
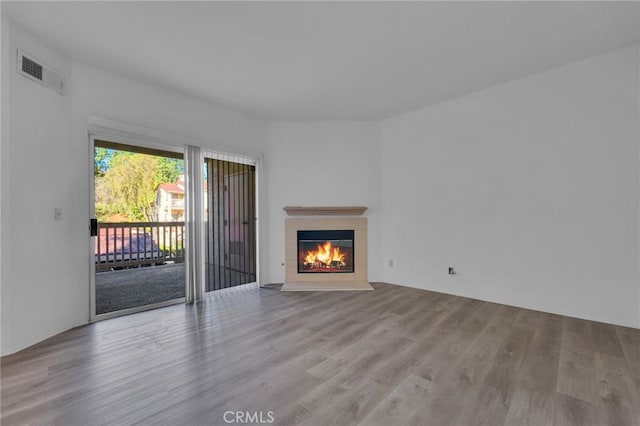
<point x="133" y="142"/>
<point x="105" y="129"/>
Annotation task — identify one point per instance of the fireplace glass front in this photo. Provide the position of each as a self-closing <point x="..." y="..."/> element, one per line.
<point x="325" y="251"/>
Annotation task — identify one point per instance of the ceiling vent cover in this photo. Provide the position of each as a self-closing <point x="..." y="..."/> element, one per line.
<point x="35" y="70"/>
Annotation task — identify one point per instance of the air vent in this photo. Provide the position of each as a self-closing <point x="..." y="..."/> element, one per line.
<point x="32" y="68"/>
<point x="35" y="70"/>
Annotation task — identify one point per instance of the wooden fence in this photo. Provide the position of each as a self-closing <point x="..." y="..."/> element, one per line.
<point x="135" y="244"/>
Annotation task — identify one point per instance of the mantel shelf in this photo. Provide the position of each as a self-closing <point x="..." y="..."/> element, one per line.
<point x="324" y="211"/>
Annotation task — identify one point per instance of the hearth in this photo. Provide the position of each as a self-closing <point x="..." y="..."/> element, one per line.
<point x="325" y="251"/>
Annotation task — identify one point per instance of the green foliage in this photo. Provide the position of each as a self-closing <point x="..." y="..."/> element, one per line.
<point x="126" y="183"/>
<point x="168" y="170"/>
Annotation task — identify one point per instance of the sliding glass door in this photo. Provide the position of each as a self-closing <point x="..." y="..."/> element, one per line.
<point x="163" y="231"/>
<point x="230" y="215"/>
<point x="139" y="228"/>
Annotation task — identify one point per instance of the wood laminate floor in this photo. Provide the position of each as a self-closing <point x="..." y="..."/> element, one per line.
<point x="395" y="355"/>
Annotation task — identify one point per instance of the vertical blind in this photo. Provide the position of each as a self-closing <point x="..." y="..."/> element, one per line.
<point x="194" y="289"/>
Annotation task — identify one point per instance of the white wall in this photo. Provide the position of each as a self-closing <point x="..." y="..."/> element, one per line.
<point x="529" y="189"/>
<point x="37" y="251"/>
<point x="45" y="275"/>
<point x="4" y="136"/>
<point x="323" y="164"/>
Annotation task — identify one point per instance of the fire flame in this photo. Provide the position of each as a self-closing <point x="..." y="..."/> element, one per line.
<point x="325" y="255"/>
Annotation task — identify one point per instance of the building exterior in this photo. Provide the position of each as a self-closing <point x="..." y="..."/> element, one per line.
<point x="170" y="201"/>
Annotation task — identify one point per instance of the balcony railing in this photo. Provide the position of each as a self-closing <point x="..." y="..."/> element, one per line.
<point x="177" y="203"/>
<point x="135" y="244"/>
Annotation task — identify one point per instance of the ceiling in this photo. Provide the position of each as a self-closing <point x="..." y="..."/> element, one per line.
<point x="328" y="60"/>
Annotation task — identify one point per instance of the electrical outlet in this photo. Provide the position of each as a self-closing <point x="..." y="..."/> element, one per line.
<point x="451" y="270"/>
<point x="57" y="213"/>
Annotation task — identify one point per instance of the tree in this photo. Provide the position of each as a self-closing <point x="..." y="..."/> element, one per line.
<point x="168" y="170"/>
<point x="127" y="182"/>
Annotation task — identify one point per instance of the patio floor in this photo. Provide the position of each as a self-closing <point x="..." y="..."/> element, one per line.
<point x="130" y="288"/>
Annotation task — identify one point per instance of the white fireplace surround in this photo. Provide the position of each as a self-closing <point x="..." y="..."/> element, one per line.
<point x="326" y="218"/>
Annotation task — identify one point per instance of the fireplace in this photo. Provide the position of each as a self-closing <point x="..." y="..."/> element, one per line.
<point x="325" y="251"/>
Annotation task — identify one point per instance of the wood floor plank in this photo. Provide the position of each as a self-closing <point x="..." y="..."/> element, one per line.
<point x="402" y="404"/>
<point x="630" y="340"/>
<point x="576" y="375"/>
<point x="445" y="343"/>
<point x="356" y="404"/>
<point x="606" y="339"/>
<point x="396" y="355"/>
<point x="571" y="411"/>
<point x="616" y="390"/>
<point x="533" y="400"/>
<point x="491" y="405"/>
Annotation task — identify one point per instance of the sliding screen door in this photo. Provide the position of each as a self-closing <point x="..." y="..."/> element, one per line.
<point x="230" y="212"/>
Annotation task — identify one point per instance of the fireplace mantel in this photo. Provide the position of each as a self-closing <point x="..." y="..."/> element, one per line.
<point x="325" y="211"/>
